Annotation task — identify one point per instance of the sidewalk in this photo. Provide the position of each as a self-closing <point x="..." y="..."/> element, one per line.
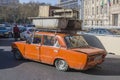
<point x="113" y="56"/>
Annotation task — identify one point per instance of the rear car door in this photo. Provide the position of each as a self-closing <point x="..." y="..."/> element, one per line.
<point x="49" y="49"/>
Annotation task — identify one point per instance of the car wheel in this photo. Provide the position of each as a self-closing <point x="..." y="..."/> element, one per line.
<point x="17" y="55"/>
<point x="10" y="35"/>
<point x="61" y="65"/>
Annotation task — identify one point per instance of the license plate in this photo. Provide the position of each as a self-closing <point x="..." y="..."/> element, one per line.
<point x="98" y="58"/>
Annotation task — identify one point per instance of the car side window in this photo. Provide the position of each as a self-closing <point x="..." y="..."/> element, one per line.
<point x="37" y="39"/>
<point x="51" y="41"/>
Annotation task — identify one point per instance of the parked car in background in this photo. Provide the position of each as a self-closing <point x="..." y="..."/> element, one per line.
<point x="9" y="28"/>
<point x="100" y="31"/>
<point x="62" y="50"/>
<point x="25" y="33"/>
<point x="4" y="32"/>
<point x="30" y="26"/>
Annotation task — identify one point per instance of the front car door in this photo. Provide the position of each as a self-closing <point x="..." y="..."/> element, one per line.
<point x="49" y="49"/>
<point x="32" y="50"/>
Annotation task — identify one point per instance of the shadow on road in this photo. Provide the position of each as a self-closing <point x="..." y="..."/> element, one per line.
<point x="111" y="67"/>
<point x="7" y="60"/>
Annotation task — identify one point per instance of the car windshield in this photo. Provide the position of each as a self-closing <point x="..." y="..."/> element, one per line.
<point x="75" y="41"/>
<point x="2" y="28"/>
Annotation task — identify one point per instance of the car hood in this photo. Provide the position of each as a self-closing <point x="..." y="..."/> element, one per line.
<point x="90" y="50"/>
<point x="3" y="30"/>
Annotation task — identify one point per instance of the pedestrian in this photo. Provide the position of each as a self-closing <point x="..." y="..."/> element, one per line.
<point x="16" y="33"/>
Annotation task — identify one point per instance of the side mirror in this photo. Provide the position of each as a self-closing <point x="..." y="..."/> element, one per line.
<point x="28" y="41"/>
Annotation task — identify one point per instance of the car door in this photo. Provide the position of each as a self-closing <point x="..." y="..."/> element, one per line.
<point x="49" y="49"/>
<point x="32" y="50"/>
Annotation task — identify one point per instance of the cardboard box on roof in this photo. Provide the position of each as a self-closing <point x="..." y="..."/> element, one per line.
<point x="52" y="17"/>
<point x="58" y="23"/>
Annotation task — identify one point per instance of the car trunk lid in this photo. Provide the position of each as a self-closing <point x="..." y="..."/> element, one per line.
<point x="90" y="50"/>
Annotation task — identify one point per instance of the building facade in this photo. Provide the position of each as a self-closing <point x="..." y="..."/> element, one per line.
<point x="53" y="11"/>
<point x="102" y="12"/>
<point x="73" y="4"/>
<point x="6" y="2"/>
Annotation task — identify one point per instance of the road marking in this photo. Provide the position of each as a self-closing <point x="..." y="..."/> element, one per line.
<point x="5" y="48"/>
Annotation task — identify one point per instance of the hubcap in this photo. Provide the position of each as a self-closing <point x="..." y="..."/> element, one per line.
<point x="61" y="65"/>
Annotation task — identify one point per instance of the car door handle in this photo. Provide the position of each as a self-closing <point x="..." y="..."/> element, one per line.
<point x="56" y="51"/>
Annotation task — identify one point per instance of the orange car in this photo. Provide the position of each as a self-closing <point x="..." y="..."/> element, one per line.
<point x="60" y="49"/>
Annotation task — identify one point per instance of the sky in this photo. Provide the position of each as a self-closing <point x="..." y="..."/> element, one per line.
<point x="53" y="2"/>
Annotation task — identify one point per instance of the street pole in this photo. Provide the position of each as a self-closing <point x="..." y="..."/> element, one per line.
<point x="82" y="12"/>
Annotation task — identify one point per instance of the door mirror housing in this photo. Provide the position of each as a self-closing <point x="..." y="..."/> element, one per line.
<point x="29" y="41"/>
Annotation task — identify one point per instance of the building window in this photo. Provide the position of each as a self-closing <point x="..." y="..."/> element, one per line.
<point x="117" y="1"/>
<point x="101" y="23"/>
<point x="97" y="23"/>
<point x="85" y="2"/>
<point x="101" y="10"/>
<point x="97" y="10"/>
<point x="92" y="23"/>
<point x="113" y="1"/>
<point x="105" y="8"/>
<point x="93" y="1"/>
<point x="92" y="11"/>
<point x="86" y="11"/>
<point x="85" y="22"/>
<point x="115" y="19"/>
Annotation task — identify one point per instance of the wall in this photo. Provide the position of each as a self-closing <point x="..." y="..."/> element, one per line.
<point x="44" y="11"/>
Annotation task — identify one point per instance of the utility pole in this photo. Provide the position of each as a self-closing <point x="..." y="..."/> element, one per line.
<point x="82" y="12"/>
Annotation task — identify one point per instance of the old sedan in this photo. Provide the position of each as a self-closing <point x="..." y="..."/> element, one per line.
<point x="4" y="32"/>
<point x="60" y="49"/>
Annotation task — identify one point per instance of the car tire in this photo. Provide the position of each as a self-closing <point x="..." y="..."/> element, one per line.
<point x="17" y="55"/>
<point x="10" y="35"/>
<point x="61" y="65"/>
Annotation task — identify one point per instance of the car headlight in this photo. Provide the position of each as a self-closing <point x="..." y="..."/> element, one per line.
<point x="6" y="33"/>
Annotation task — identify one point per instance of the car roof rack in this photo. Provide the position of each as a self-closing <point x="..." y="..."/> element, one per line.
<point x="57" y="30"/>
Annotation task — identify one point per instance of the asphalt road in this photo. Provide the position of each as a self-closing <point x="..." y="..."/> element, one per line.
<point x="10" y="69"/>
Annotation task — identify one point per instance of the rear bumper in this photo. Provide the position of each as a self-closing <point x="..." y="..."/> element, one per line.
<point x="92" y="64"/>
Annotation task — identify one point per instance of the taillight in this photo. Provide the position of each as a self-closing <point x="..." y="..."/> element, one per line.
<point x="103" y="56"/>
<point x="90" y="59"/>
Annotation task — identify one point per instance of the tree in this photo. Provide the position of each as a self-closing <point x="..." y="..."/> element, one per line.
<point x="19" y="13"/>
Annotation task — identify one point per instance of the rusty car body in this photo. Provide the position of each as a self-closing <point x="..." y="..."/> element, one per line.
<point x="60" y="49"/>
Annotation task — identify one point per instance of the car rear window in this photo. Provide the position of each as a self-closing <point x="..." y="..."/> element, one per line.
<point x="75" y="42"/>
